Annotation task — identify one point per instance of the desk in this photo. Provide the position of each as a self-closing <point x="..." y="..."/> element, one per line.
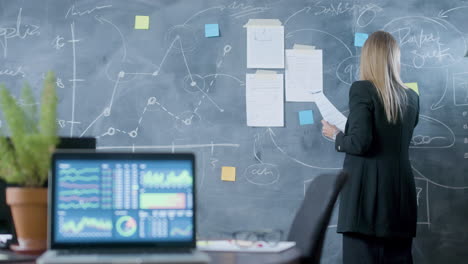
<point x="287" y="256"/>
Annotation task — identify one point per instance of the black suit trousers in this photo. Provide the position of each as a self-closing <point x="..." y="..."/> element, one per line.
<point x="362" y="249"/>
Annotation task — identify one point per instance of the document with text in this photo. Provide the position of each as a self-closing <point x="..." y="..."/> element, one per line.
<point x="265" y="100"/>
<point x="304" y="74"/>
<point x="329" y="111"/>
<point x="265" y="44"/>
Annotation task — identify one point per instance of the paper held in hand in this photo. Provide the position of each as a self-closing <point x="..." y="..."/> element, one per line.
<point x="329" y="112"/>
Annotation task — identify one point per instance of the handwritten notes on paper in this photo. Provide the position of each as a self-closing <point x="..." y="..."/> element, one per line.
<point x="360" y="39"/>
<point x="228" y="173"/>
<point x="265" y="99"/>
<point x="329" y="111"/>
<point x="304" y="74"/>
<point x="211" y="30"/>
<point x="265" y="44"/>
<point x="141" y="22"/>
<point x="413" y="86"/>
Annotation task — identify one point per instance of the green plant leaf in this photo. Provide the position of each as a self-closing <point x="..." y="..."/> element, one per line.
<point x="26" y="159"/>
<point x="47" y="121"/>
<point x="29" y="107"/>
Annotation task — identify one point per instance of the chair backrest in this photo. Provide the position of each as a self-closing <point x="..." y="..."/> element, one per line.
<point x="311" y="221"/>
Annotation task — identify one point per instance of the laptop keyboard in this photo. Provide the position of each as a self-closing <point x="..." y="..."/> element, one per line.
<point x="122" y="251"/>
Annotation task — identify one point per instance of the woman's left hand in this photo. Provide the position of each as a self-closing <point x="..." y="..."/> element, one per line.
<point x="329" y="130"/>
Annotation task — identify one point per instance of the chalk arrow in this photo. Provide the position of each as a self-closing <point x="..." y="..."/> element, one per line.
<point x="102" y="21"/>
<point x="443" y="14"/>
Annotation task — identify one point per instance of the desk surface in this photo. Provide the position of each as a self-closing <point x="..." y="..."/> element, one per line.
<point x="287" y="256"/>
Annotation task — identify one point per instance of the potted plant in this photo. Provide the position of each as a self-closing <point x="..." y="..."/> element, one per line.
<point x="25" y="160"/>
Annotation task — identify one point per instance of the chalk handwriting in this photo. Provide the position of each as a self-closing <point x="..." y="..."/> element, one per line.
<point x="261" y="171"/>
<point x="58" y="42"/>
<point x="420" y="57"/>
<point x="336" y="9"/>
<point x="61" y="123"/>
<point x="234" y="5"/>
<point x="19" y="31"/>
<point x="213" y="162"/>
<point x="72" y="12"/>
<point x="418" y="39"/>
<point x="60" y="83"/>
<point x="421" y="40"/>
<point x="353" y="71"/>
<point x="9" y="72"/>
<point x="243" y="10"/>
<point x="262" y="174"/>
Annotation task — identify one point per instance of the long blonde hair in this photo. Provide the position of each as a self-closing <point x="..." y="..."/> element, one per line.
<point x="380" y="64"/>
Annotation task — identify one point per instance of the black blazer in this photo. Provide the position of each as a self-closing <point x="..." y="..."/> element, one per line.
<point x="380" y="196"/>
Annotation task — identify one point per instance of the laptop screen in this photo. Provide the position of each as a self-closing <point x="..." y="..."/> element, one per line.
<point x="108" y="198"/>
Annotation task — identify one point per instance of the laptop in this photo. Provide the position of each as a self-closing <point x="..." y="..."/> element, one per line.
<point x="122" y="208"/>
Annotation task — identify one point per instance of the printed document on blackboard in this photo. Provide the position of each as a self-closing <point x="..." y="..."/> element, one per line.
<point x="265" y="99"/>
<point x="304" y="74"/>
<point x="265" y="44"/>
<point x="329" y="111"/>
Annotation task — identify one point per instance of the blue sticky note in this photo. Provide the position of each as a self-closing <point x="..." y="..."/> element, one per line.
<point x="359" y="39"/>
<point x="211" y="30"/>
<point x="306" y="117"/>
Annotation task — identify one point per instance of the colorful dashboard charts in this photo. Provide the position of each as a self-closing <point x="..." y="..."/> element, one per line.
<point x="162" y="201"/>
<point x="181" y="228"/>
<point x="79" y="188"/>
<point x="167" y="179"/>
<point x="86" y="227"/>
<point x="126" y="226"/>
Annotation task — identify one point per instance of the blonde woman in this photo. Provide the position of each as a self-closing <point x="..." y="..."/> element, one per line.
<point x="378" y="208"/>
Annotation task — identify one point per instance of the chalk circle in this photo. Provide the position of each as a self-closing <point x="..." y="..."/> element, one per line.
<point x="194" y="83"/>
<point x="187" y="119"/>
<point x="368" y="15"/>
<point x="106" y="111"/>
<point x="348" y="70"/>
<point x="262" y="174"/>
<point x="152" y="100"/>
<point x="227" y="49"/>
<point x="110" y="131"/>
<point x="185" y="34"/>
<point x="133" y="134"/>
<point x="118" y="70"/>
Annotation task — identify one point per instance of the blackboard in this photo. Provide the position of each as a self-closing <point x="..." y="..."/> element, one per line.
<point x="132" y="90"/>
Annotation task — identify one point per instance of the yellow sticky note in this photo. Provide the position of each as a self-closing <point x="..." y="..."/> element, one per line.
<point x="141" y="22"/>
<point x="413" y="86"/>
<point x="228" y="173"/>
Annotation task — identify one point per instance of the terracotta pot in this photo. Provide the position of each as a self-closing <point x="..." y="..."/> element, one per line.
<point x="29" y="211"/>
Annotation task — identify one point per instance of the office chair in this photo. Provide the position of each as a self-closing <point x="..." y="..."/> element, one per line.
<point x="311" y="221"/>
